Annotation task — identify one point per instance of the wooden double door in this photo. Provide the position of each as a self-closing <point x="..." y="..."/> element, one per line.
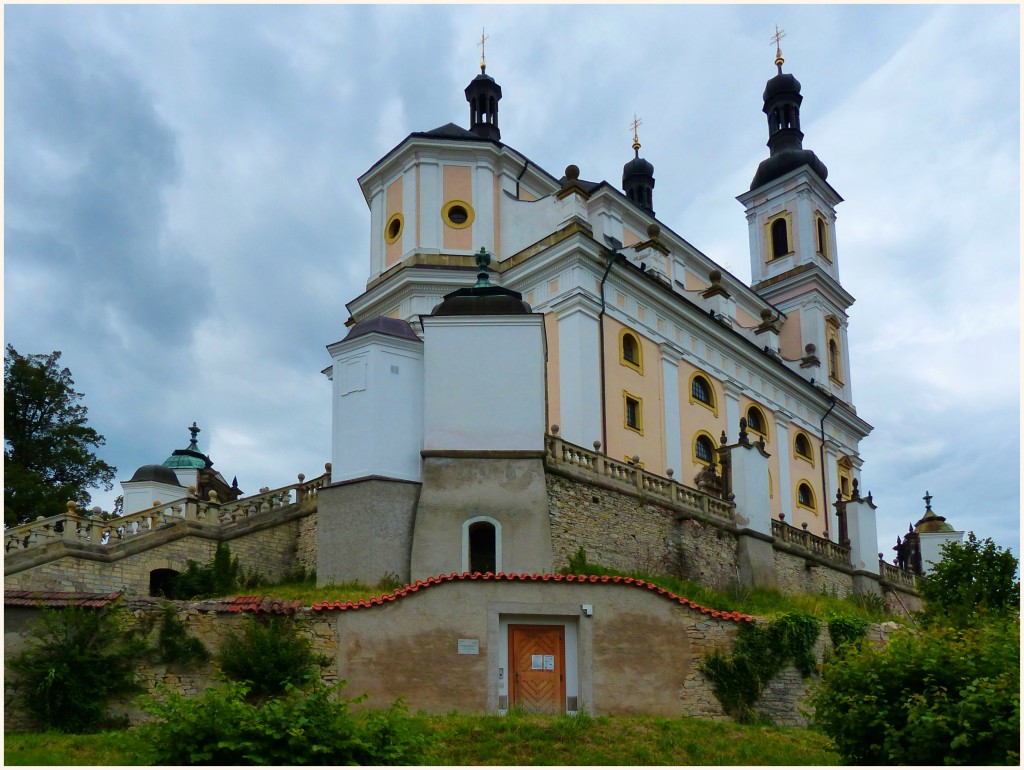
<point x="536" y="656"/>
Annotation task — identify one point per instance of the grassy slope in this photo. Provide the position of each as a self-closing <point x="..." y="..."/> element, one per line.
<point x="520" y="740"/>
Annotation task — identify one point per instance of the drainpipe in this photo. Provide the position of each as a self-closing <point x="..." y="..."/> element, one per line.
<point x="824" y="487"/>
<point x="600" y="354"/>
<point x="526" y="165"/>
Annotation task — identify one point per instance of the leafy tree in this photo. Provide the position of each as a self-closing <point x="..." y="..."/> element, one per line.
<point x="937" y="696"/>
<point x="49" y="455"/>
<point x="975" y="579"/>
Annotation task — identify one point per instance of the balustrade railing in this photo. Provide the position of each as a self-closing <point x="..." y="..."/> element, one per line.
<point x="73" y="528"/>
<point x="818" y="546"/>
<point x="895" y="575"/>
<point x="560" y="452"/>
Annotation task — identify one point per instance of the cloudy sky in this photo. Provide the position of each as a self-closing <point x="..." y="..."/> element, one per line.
<point x="182" y="217"/>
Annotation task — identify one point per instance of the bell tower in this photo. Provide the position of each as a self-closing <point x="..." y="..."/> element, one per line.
<point x="794" y="264"/>
<point x="483" y="95"/>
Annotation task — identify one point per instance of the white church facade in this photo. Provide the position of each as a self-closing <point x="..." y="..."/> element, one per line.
<point x="622" y="335"/>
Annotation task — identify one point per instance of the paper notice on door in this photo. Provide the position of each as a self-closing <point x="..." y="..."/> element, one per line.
<point x="537" y="662"/>
<point x="549" y="662"/>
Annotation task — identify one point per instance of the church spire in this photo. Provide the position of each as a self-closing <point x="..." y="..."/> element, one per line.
<point x="782" y="102"/>
<point x="483" y="95"/>
<point x="638" y="175"/>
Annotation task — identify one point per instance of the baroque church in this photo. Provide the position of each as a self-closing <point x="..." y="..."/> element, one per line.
<point x="504" y="304"/>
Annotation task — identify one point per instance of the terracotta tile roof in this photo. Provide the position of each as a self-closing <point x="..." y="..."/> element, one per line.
<point x="14" y="598"/>
<point x="259" y="604"/>
<point x="536" y="577"/>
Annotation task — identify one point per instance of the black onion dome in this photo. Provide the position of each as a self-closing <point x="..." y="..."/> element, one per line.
<point x="785" y="161"/>
<point x="638" y="166"/>
<point x="159" y="473"/>
<point x="483" y="300"/>
<point x="781" y="84"/>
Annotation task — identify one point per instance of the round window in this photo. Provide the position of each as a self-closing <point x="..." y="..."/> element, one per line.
<point x="457" y="214"/>
<point x="393" y="229"/>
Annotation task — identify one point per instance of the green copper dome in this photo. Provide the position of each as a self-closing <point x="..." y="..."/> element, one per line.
<point x="190" y="457"/>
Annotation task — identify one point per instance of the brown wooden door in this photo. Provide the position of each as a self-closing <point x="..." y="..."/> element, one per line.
<point x="537" y="659"/>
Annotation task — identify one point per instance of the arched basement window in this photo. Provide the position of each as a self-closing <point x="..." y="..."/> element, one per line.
<point x="160" y="580"/>
<point x="481" y="545"/>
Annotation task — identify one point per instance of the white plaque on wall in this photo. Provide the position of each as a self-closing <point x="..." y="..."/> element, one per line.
<point x="469" y="646"/>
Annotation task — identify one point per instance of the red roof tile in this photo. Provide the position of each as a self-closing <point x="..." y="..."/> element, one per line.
<point x="455" y="576"/>
<point x="14" y="598"/>
<point x="258" y="604"/>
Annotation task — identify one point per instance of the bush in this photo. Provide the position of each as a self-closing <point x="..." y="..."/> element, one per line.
<point x="218" y="578"/>
<point x="221" y="727"/>
<point x="75" y="658"/>
<point x="270" y="655"/>
<point x="975" y="579"/>
<point x="938" y="696"/>
<point x="174" y="643"/>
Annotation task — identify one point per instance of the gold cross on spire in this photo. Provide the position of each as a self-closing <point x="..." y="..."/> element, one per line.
<point x="636" y="137"/>
<point x="779" y="34"/>
<point x="483" y="50"/>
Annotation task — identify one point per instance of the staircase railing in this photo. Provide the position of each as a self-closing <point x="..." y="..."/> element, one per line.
<point x="73" y="528"/>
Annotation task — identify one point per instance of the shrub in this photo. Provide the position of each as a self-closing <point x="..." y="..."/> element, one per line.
<point x="938" y="696"/>
<point x="270" y="655"/>
<point x="762" y="650"/>
<point x="974" y="579"/>
<point x="75" y="658"/>
<point x="845" y="630"/>
<point x="314" y="727"/>
<point x="175" y="644"/>
<point x="218" y="578"/>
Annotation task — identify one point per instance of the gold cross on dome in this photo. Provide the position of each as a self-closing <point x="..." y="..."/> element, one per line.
<point x="636" y="137"/>
<point x="483" y="50"/>
<point x="779" y="34"/>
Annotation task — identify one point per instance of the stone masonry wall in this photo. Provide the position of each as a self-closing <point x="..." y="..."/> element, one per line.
<point x="270" y="552"/>
<point x="305" y="548"/>
<point x="202" y="621"/>
<point x="794" y="577"/>
<point x="616" y="530"/>
<point x="623" y="532"/>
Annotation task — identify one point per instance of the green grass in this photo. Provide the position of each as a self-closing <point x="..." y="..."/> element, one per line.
<point x="517" y="739"/>
<point x="53" y="748"/>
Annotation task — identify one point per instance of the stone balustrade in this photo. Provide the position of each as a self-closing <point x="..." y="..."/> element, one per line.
<point x="646" y="484"/>
<point x="896" y="576"/>
<point x="72" y="528"/>
<point x="816" y="546"/>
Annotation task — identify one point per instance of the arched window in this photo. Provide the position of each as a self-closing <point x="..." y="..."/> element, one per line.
<point x="822" y="236"/>
<point x="160" y="581"/>
<point x="481" y="545"/>
<point x="703" y="449"/>
<point x="756" y="422"/>
<point x="630" y="351"/>
<point x="701" y="391"/>
<point x="802" y="447"/>
<point x="833" y="359"/>
<point x="780" y="238"/>
<point x="805" y="496"/>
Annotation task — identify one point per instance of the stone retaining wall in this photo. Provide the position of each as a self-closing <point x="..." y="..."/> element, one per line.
<point x="269" y="551"/>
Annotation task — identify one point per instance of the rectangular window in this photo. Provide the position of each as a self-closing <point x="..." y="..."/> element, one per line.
<point x="634" y="416"/>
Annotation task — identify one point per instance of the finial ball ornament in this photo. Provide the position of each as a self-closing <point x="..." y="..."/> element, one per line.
<point x="715" y="276"/>
<point x="809" y="348"/>
<point x="653" y="231"/>
<point x="572" y="171"/>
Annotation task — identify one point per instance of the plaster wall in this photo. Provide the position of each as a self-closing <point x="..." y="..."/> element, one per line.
<point x="140" y="495"/>
<point x="364" y="531"/>
<point x="484" y="382"/>
<point x="510" y="492"/>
